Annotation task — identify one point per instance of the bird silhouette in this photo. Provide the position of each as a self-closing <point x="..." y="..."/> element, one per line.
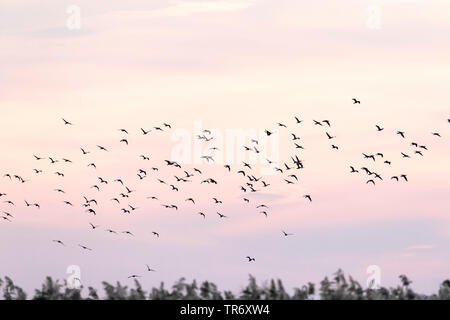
<point x="67" y="123"/>
<point x="149" y="269"/>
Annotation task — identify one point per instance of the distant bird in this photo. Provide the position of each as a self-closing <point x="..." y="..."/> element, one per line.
<point x="149" y="269"/>
<point x="85" y="248"/>
<point x="125" y="141"/>
<point x="405" y="155"/>
<point x="355" y="101"/>
<point x="155" y="234"/>
<point x="59" y="242"/>
<point x="5" y="218"/>
<point x="369" y="156"/>
<point x="307" y="196"/>
<point x="93" y="226"/>
<point x="404" y="177"/>
<point x="379" y="128"/>
<point x="84" y="151"/>
<point x="268" y="133"/>
<point x="401" y="133"/>
<point x="202" y="214"/>
<point x="67" y="122"/>
<point x="190" y="199"/>
<point x="298" y="120"/>
<point x="436" y="134"/>
<point x="287" y="234"/>
<point x="250" y="259"/>
<point x="329" y="136"/>
<point x="123" y="130"/>
<point x="133" y="276"/>
<point x="208" y="158"/>
<point x="334" y="147"/>
<point x="370" y="181"/>
<point x="102" y="180"/>
<point x="394" y="178"/>
<point x="102" y="148"/>
<point x="317" y="123"/>
<point x="91" y="211"/>
<point x="221" y="215"/>
<point x="145" y="132"/>
<point x="247" y="165"/>
<point x="353" y="170"/>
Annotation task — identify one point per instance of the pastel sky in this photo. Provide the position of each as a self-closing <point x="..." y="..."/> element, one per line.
<point x="229" y="66"/>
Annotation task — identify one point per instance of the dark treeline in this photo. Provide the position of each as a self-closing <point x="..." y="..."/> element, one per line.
<point x="338" y="287"/>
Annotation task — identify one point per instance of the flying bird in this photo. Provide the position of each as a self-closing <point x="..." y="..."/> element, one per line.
<point x="67" y="123"/>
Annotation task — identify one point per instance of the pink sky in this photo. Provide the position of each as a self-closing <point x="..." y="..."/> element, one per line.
<point x="229" y="66"/>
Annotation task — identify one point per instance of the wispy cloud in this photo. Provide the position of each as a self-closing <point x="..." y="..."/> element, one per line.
<point x="185" y="8"/>
<point x="420" y="247"/>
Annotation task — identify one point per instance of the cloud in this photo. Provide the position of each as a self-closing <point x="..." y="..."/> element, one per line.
<point x="185" y="8"/>
<point x="420" y="247"/>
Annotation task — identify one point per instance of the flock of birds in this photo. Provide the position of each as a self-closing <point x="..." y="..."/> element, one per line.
<point x="251" y="183"/>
